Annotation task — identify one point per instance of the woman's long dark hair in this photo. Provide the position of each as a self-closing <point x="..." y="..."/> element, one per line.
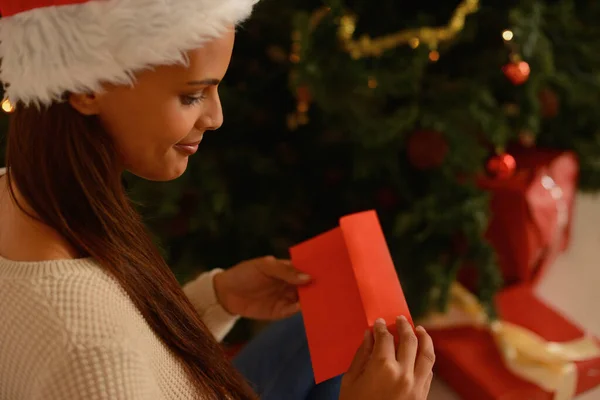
<point x="65" y="167"/>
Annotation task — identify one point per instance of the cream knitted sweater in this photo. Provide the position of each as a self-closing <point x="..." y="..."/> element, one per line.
<point x="68" y="331"/>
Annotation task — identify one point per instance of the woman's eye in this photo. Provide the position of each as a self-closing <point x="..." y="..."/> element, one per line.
<point x="187" y="100"/>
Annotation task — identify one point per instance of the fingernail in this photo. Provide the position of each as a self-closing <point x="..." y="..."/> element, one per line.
<point x="380" y="324"/>
<point x="304" y="277"/>
<point x="421" y="329"/>
<point x="402" y="319"/>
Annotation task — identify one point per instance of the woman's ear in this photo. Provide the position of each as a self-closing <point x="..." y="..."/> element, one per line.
<point x="86" y="103"/>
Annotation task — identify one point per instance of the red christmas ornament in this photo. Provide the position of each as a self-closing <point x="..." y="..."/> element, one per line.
<point x="517" y="72"/>
<point x="502" y="166"/>
<point x="427" y="149"/>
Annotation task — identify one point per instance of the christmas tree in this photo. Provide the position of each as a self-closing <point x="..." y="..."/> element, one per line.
<point x="338" y="106"/>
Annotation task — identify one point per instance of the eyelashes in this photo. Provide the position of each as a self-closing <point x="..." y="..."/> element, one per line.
<point x="190" y="101"/>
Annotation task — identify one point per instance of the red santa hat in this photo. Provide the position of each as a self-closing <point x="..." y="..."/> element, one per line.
<point x="49" y="47"/>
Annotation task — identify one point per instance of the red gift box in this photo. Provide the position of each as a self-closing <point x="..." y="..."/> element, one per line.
<point x="531" y="214"/>
<point x="469" y="360"/>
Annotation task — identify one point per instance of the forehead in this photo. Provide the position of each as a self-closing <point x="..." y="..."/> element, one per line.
<point x="209" y="61"/>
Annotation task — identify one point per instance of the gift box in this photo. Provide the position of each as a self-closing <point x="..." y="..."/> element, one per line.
<point x="470" y="361"/>
<point x="531" y="214"/>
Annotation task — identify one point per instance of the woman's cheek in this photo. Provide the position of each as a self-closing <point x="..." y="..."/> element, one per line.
<point x="178" y="125"/>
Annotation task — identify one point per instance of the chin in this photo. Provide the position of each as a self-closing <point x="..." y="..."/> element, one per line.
<point x="163" y="173"/>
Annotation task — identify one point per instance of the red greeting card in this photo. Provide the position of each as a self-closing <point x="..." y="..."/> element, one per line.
<point x="354" y="283"/>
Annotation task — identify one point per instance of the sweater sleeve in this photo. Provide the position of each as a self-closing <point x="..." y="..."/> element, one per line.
<point x="201" y="293"/>
<point x="106" y="371"/>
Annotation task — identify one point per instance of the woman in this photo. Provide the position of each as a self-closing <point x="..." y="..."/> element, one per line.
<point x="89" y="308"/>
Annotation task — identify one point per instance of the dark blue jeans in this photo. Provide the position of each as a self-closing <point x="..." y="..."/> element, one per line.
<point x="277" y="364"/>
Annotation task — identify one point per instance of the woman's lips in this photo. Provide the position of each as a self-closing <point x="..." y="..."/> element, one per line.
<point x="188" y="148"/>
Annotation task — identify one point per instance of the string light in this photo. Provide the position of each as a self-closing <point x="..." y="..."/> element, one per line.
<point x="507" y="35"/>
<point x="7" y="106"/>
<point x="296" y="47"/>
<point x="302" y="107"/>
<point x="414" y="43"/>
<point x="373" y="83"/>
<point x="434" y="56"/>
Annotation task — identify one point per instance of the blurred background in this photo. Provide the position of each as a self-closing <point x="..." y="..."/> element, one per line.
<point x="472" y="127"/>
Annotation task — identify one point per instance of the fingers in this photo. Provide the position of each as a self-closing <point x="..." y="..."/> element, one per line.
<point x="425" y="355"/>
<point x="407" y="344"/>
<point x="291" y="295"/>
<point x="427" y="386"/>
<point x="284" y="270"/>
<point x="383" y="348"/>
<point x="361" y="357"/>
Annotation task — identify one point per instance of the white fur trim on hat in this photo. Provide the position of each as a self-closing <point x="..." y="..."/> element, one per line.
<point x="48" y="51"/>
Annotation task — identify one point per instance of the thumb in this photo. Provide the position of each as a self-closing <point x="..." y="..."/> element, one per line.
<point x="284" y="270"/>
<point x="361" y="357"/>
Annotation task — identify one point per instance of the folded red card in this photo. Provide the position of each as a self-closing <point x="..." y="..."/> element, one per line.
<point x="354" y="283"/>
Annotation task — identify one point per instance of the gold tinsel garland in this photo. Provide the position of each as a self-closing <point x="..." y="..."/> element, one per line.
<point x="375" y="47"/>
<point x="367" y="46"/>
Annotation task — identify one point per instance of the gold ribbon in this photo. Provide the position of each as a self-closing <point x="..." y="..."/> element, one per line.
<point x="549" y="365"/>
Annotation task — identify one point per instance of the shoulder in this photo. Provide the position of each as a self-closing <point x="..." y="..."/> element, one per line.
<point x="90" y="304"/>
<point x="75" y="299"/>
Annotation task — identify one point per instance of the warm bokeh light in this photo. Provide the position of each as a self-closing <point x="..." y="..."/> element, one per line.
<point x="7" y="106"/>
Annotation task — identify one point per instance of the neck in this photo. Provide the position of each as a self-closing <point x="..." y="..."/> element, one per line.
<point x="23" y="236"/>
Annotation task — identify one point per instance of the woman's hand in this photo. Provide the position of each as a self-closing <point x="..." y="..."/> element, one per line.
<point x="381" y="372"/>
<point x="264" y="288"/>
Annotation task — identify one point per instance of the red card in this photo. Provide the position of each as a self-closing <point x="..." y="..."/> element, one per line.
<point x="354" y="283"/>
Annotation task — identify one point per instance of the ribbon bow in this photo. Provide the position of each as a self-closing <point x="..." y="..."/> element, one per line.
<point x="549" y="365"/>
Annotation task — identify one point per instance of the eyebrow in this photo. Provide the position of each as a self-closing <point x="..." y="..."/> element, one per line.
<point x="204" y="82"/>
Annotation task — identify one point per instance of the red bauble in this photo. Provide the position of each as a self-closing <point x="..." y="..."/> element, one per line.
<point x="502" y="166"/>
<point x="427" y="149"/>
<point x="517" y="72"/>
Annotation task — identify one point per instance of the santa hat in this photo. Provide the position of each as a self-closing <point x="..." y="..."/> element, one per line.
<point x="49" y="47"/>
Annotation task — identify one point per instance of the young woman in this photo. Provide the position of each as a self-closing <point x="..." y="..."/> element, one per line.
<point x="89" y="309"/>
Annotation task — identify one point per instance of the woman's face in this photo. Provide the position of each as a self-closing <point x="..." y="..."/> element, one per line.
<point x="157" y="124"/>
